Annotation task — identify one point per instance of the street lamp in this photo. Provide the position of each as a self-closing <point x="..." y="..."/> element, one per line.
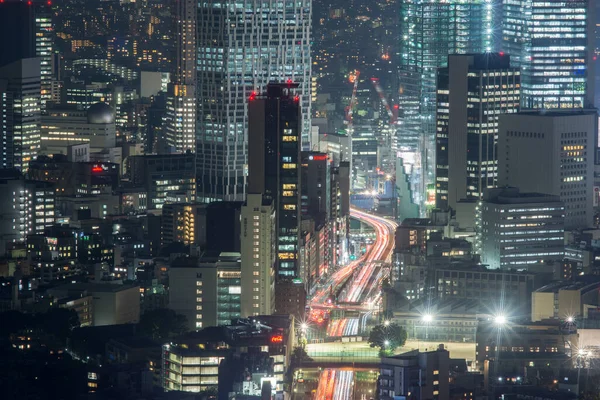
<point x="427" y="318"/>
<point x="500" y="320"/>
<point x="386" y="323"/>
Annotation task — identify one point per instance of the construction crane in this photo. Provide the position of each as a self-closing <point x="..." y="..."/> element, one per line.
<point x="353" y="77"/>
<point x="393" y="115"/>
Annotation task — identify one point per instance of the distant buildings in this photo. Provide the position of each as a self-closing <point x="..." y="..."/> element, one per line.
<point x="472" y="92"/>
<point x="519" y="230"/>
<point x="553" y="153"/>
<point x="557" y="63"/>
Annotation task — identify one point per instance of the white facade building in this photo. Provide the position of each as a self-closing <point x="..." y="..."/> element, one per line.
<point x="521" y="229"/>
<point x="257" y="241"/>
<point x="551" y="153"/>
<point x="242" y="46"/>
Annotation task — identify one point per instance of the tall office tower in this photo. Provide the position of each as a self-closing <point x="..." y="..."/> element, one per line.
<point x="20" y="112"/>
<point x="181" y="109"/>
<point x="472" y="92"/>
<point x="552" y="41"/>
<point x="242" y="46"/>
<point x="430" y="31"/>
<point x="258" y="256"/>
<point x="28" y="32"/>
<point x="274" y="129"/>
<point x="551" y="152"/>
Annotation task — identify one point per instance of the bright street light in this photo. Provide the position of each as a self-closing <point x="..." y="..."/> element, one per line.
<point x="386" y="323"/>
<point x="427" y="317"/>
<point x="304" y="326"/>
<point x="570" y="320"/>
<point x="386" y="343"/>
<point x="500" y="320"/>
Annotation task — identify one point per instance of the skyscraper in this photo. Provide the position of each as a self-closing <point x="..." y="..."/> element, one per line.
<point x="274" y="129"/>
<point x="28" y="31"/>
<point x="20" y="113"/>
<point x="472" y="92"/>
<point x="552" y="41"/>
<point x="242" y="46"/>
<point x="430" y="31"/>
<point x="180" y="116"/>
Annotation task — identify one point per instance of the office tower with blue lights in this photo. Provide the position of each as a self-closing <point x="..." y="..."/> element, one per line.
<point x="430" y="31"/>
<point x="552" y="41"/>
<point x="274" y="129"/>
<point x="242" y="46"/>
<point x="472" y="92"/>
<point x="180" y="115"/>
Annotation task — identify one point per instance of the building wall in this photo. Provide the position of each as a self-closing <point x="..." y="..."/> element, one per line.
<point x="557" y="152"/>
<point x="258" y="257"/>
<point x="186" y="294"/>
<point x="542" y="306"/>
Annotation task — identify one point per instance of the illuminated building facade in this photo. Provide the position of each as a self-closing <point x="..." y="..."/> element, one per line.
<point x="556" y="150"/>
<point x="521" y="229"/>
<point x="552" y="41"/>
<point x="161" y="176"/>
<point x="181" y="109"/>
<point x="430" y="31"/>
<point x="258" y="256"/>
<point x="472" y="92"/>
<point x="28" y="208"/>
<point x="20" y="104"/>
<point x="243" y="46"/>
<point x="207" y="291"/>
<point x="29" y="31"/>
<point x="274" y="135"/>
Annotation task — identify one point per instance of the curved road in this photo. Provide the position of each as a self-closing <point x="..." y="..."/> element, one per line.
<point x="379" y="252"/>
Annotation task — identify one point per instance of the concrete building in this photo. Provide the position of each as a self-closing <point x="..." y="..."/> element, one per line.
<point x="521" y="229"/>
<point x="207" y="291"/>
<point x="163" y="175"/>
<point x="113" y="304"/>
<point x="258" y="253"/>
<point x="564" y="300"/>
<point x="64" y="127"/>
<point x="27" y="207"/>
<point x="552" y="153"/>
<point x="20" y="102"/>
<point x="472" y="92"/>
<point x="419" y="375"/>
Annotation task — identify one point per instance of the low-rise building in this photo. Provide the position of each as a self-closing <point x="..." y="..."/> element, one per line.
<point x="418" y="375"/>
<point x="563" y="300"/>
<point x="113" y="304"/>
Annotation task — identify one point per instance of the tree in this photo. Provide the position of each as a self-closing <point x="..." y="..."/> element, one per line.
<point x="387" y="337"/>
<point x="162" y="323"/>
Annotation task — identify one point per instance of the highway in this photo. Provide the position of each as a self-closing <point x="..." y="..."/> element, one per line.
<point x="358" y="286"/>
<point x="363" y="290"/>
